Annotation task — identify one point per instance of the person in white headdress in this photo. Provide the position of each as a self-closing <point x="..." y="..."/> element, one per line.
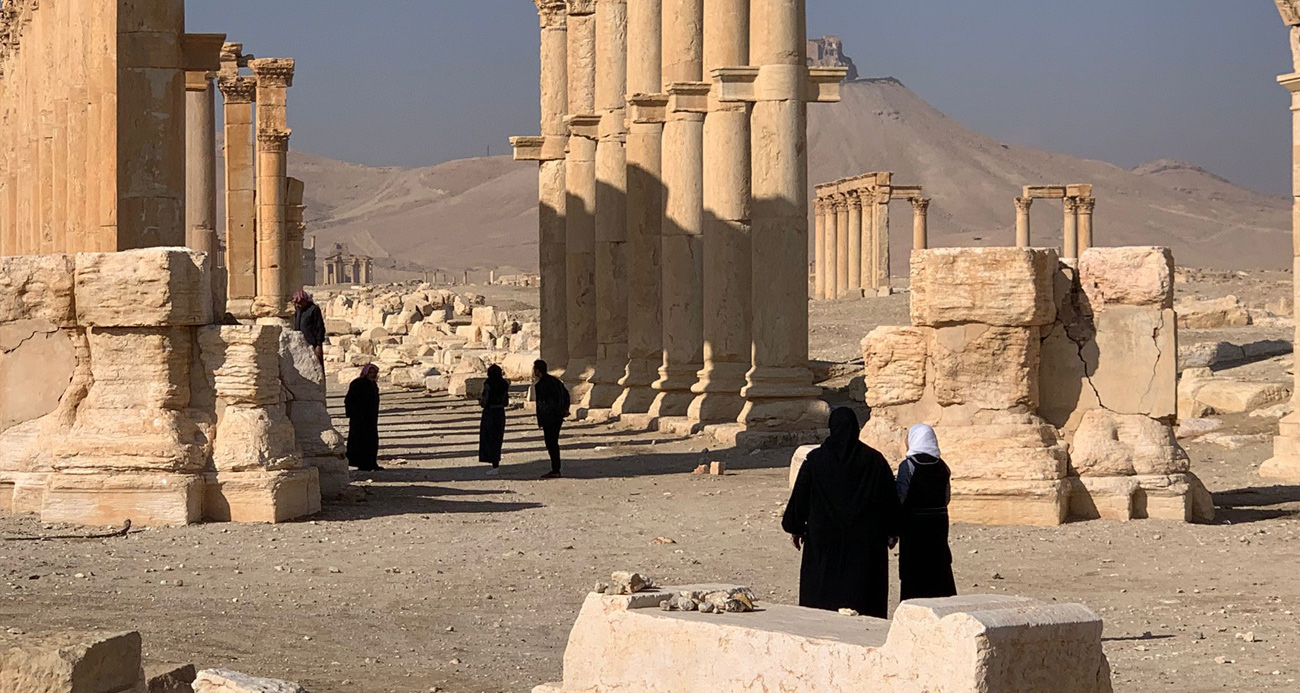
<point x="924" y="489"/>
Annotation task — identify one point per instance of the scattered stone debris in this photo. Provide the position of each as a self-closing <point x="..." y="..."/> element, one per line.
<point x="226" y="681"/>
<point x="849" y="612"/>
<point x="623" y="582"/>
<point x="663" y="541"/>
<point x="737" y="600"/>
<point x="716" y="468"/>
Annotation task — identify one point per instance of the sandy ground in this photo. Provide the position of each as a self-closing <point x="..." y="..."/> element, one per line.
<point x="448" y="579"/>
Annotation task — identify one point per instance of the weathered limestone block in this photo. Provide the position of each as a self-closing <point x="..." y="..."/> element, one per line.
<point x="1127" y="276"/>
<point x="895" y="360"/>
<point x="337" y="326"/>
<point x="1198" y="314"/>
<point x="147" y="499"/>
<point x="1110" y="444"/>
<point x="1006" y="287"/>
<point x="253" y="439"/>
<point x="1188" y="386"/>
<point x="169" y="678"/>
<point x="71" y="663"/>
<point x="1103" y="497"/>
<point x="986" y="367"/>
<point x="797" y="461"/>
<point x="38" y="287"/>
<point x="154" y="287"/>
<point x="986" y="643"/>
<point x="1020" y="448"/>
<point x="37" y="364"/>
<point x="1009" y="502"/>
<point x="1178" y="497"/>
<point x="269" y="497"/>
<point x="1225" y="396"/>
<point x="243" y="363"/>
<point x="226" y="681"/>
<point x="301" y="374"/>
<point x="466" y="385"/>
<point x="887" y="436"/>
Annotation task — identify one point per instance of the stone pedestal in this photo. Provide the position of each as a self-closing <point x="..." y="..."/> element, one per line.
<point x="1023" y="205"/>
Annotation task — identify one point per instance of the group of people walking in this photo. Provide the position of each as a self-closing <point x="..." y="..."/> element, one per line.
<point x="847" y="510"/>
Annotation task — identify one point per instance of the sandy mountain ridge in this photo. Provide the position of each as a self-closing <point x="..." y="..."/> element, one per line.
<point x="482" y="212"/>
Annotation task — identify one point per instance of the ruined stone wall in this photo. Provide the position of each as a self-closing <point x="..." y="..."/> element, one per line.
<point x="120" y="399"/>
<point x="1051" y="384"/>
<point x="92" y="133"/>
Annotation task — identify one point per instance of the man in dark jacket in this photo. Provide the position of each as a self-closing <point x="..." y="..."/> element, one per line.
<point x="552" y="399"/>
<point x="308" y="320"/>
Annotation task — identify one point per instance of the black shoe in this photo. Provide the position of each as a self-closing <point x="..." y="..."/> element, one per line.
<point x="552" y="475"/>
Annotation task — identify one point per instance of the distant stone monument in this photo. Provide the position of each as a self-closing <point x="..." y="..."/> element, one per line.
<point x="851" y="243"/>
<point x="342" y="267"/>
<point x="1079" y="204"/>
<point x="828" y="51"/>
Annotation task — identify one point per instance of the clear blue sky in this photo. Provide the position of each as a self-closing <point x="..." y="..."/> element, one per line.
<point x="417" y="82"/>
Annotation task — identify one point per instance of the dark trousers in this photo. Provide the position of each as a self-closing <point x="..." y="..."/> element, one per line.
<point x="551" y="433"/>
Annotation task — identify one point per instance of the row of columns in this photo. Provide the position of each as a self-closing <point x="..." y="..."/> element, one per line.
<point x="354" y="269"/>
<point x="683" y="172"/>
<point x="851" y="245"/>
<point x="1078" y="205"/>
<point x="71" y="179"/>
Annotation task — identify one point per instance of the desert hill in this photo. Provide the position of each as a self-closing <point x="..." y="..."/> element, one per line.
<point x="482" y="212"/>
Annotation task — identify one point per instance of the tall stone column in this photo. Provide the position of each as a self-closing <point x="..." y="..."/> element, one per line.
<point x="780" y="392"/>
<point x="647" y="107"/>
<point x="920" y="223"/>
<point x="819" y="249"/>
<point x="882" y="282"/>
<point x="727" y="265"/>
<point x="201" y="164"/>
<point x="868" y="250"/>
<point x="855" y="244"/>
<point x="552" y="230"/>
<point x="295" y="229"/>
<point x="239" y="95"/>
<point x="274" y="77"/>
<point x="682" y="233"/>
<point x="842" y="245"/>
<point x="1086" y="207"/>
<point x="832" y="248"/>
<point x="1071" y="233"/>
<point x="1023" y="204"/>
<point x="611" y="205"/>
<point x="1285" y="463"/>
<point x="580" y="200"/>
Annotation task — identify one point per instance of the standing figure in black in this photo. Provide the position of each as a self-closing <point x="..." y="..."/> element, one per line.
<point x="308" y="320"/>
<point x="843" y="514"/>
<point x="924" y="488"/>
<point x="553" y="403"/>
<point x="362" y="407"/>
<point x="492" y="428"/>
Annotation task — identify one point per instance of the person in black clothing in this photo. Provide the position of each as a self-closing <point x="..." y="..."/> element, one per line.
<point x="553" y="402"/>
<point x="843" y="514"/>
<point x="492" y="428"/>
<point x="362" y="408"/>
<point x="924" y="488"/>
<point x="308" y="319"/>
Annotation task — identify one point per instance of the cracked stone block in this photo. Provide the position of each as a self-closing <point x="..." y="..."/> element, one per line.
<point x="37" y="363"/>
<point x="1127" y="276"/>
<point x="894" y="361"/>
<point x="71" y="663"/>
<point x="226" y="681"/>
<point x="1107" y="444"/>
<point x="1224" y="396"/>
<point x="1103" y="498"/>
<point x="1041" y="503"/>
<point x="986" y="367"/>
<point x="154" y="287"/>
<point x="38" y="287"/>
<point x="1006" y="287"/>
<point x="1022" y="448"/>
<point x="1196" y="314"/>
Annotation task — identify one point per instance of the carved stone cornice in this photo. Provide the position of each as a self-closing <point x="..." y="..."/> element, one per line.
<point x="552" y="14"/>
<point x="273" y="72"/>
<point x="273" y="140"/>
<point x="238" y="90"/>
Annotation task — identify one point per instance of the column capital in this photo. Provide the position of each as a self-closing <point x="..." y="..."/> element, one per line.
<point x="539" y="147"/>
<point x="1071" y="205"/>
<point x="238" y="90"/>
<point x="273" y="140"/>
<point x="920" y="204"/>
<point x="840" y="202"/>
<point x="553" y="14"/>
<point x="273" y="72"/>
<point x="1024" y="203"/>
<point x="1087" y="204"/>
<point x="578" y="8"/>
<point x="583" y="125"/>
<point x="199" y="81"/>
<point x="856" y="201"/>
<point x="1290" y="11"/>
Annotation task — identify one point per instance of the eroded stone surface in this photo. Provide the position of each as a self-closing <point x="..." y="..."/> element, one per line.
<point x="1006" y="287"/>
<point x="227" y="681"/>
<point x="1110" y="444"/>
<point x="1127" y="276"/>
<point x="143" y="288"/>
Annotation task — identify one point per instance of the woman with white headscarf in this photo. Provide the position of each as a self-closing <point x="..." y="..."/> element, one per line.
<point x="924" y="559"/>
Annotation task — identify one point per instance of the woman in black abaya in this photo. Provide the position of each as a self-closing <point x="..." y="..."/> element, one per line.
<point x="843" y="514"/>
<point x="492" y="427"/>
<point x="362" y="408"/>
<point x="924" y="559"/>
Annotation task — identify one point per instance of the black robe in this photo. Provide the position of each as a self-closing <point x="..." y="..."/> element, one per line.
<point x="362" y="408"/>
<point x="846" y="507"/>
<point x="492" y="427"/>
<point x="924" y="558"/>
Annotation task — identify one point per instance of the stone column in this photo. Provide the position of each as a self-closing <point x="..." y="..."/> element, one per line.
<point x="682" y="260"/>
<point x="580" y="197"/>
<point x="832" y="248"/>
<point x="647" y="111"/>
<point x="1086" y="207"/>
<point x="295" y="229"/>
<point x="842" y="245"/>
<point x="780" y="392"/>
<point x="274" y="77"/>
<point x="201" y="164"/>
<point x="882" y="283"/>
<point x="611" y="205"/>
<point x="239" y="95"/>
<point x="819" y="249"/>
<point x="727" y="264"/>
<point x="867" y="249"/>
<point x="920" y="223"/>
<point x="1023" y="205"/>
<point x="552" y="230"/>
<point x="1071" y="233"/>
<point x="855" y="244"/>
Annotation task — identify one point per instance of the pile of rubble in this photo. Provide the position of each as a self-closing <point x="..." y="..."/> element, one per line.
<point x="423" y="337"/>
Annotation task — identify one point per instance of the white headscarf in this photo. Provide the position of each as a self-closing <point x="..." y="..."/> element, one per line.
<point x="922" y="441"/>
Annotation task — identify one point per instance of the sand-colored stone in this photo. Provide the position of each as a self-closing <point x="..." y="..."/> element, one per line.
<point x="276" y="496"/>
<point x="1022" y="448"/>
<point x="990" y="643"/>
<point x="896" y="359"/>
<point x="71" y="662"/>
<point x="1010" y="502"/>
<point x="1226" y="396"/>
<point x="986" y="367"/>
<point x="38" y="287"/>
<point x="1210" y="314"/>
<point x="1128" y="276"/>
<point x="1109" y="444"/>
<point x="1007" y="287"/>
<point x="37" y="363"/>
<point x="143" y="288"/>
<point x="104" y="499"/>
<point x="226" y="681"/>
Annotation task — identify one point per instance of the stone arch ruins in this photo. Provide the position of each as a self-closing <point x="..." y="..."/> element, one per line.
<point x="852" y="234"/>
<point x="1078" y="205"/>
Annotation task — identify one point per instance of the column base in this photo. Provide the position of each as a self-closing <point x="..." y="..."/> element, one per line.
<point x="1284" y="465"/>
<point x="577" y="377"/>
<point x="674" y="388"/>
<point x="783" y="399"/>
<point x="147" y="499"/>
<point x="1010" y="502"/>
<point x="605" y="389"/>
<point x="735" y="435"/>
<point x="262" y="496"/>
<point x="267" y="307"/>
<point x="718" y="399"/>
<point x="638" y="394"/>
<point x="241" y="308"/>
<point x="333" y="473"/>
